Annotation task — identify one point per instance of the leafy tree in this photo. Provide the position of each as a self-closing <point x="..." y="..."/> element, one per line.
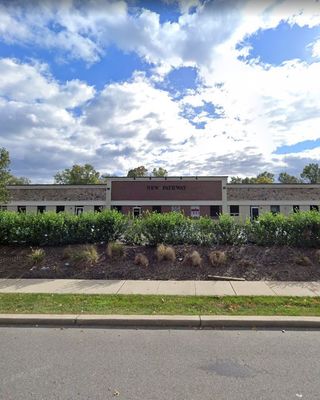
<point x="311" y="173"/>
<point x="236" y="179"/>
<point x="78" y="175"/>
<point x="264" y="177"/>
<point x="160" y="172"/>
<point x="4" y="174"/>
<point x="138" y="172"/>
<point x="286" y="178"/>
<point x="18" y="180"/>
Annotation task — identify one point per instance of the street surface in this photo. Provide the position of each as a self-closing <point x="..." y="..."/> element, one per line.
<point x="75" y="363"/>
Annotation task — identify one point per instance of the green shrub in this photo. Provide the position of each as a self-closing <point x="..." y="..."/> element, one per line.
<point x="62" y="228"/>
<point x="229" y="231"/>
<point x="299" y="229"/>
<point x="164" y="228"/>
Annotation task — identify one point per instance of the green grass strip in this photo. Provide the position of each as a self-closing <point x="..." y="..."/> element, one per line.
<point x="149" y="305"/>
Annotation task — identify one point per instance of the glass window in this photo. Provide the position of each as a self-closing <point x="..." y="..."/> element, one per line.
<point x="234" y="211"/>
<point x="98" y="208"/>
<point x="314" y="208"/>
<point x="275" y="209"/>
<point x="21" y="209"/>
<point x="296" y="209"/>
<point x="3" y="208"/>
<point x="78" y="210"/>
<point x="156" y="209"/>
<point x="176" y="208"/>
<point x="60" y="209"/>
<point x="41" y="209"/>
<point x="215" y="211"/>
<point x="117" y="208"/>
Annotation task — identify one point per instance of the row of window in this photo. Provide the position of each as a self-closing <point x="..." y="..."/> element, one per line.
<point x="215" y="211"/>
<point x="41" y="209"/>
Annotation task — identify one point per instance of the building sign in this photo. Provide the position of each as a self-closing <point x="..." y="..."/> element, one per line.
<point x="175" y="190"/>
<point x="166" y="187"/>
<point x="195" y="212"/>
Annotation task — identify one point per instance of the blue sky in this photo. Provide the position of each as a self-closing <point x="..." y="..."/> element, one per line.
<point x="196" y="87"/>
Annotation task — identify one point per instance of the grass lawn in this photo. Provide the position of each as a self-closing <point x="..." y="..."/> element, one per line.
<point x="148" y="305"/>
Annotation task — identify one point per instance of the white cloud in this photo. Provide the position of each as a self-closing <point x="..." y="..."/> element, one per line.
<point x="130" y="123"/>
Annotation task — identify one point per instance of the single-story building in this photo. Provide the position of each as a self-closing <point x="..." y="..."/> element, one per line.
<point x="193" y="195"/>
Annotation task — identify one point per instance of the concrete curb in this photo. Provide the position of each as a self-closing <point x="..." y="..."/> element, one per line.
<point x="159" y="321"/>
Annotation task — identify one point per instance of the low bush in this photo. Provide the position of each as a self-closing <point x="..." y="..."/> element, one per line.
<point x="115" y="250"/>
<point x="194" y="259"/>
<point x="217" y="258"/>
<point x="166" y="253"/>
<point x="62" y="228"/>
<point x="142" y="260"/>
<point x="36" y="256"/>
<point x="303" y="260"/>
<point x="86" y="254"/>
<point x="299" y="229"/>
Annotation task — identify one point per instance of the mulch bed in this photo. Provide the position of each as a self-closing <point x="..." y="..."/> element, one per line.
<point x="249" y="262"/>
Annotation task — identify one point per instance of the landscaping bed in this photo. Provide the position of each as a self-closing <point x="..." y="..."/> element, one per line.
<point x="251" y="262"/>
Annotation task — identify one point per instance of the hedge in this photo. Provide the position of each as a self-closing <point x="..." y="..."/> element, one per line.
<point x="299" y="229"/>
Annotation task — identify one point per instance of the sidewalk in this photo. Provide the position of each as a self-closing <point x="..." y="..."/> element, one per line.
<point x="182" y="288"/>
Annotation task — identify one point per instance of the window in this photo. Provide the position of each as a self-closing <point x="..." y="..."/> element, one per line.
<point x="296" y="209"/>
<point x="41" y="209"/>
<point x="175" y="208"/>
<point x="234" y="211"/>
<point x="195" y="211"/>
<point x="3" y="208"/>
<point x="136" y="211"/>
<point x="254" y="212"/>
<point x="215" y="211"/>
<point x="117" y="208"/>
<point x="156" y="209"/>
<point x="98" y="208"/>
<point x="59" y="209"/>
<point x="314" y="208"/>
<point x="78" y="210"/>
<point x="275" y="209"/>
<point x="21" y="209"/>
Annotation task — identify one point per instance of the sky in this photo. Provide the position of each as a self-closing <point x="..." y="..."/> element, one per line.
<point x="198" y="87"/>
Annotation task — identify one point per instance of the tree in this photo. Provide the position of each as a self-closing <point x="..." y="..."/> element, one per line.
<point x="235" y="179"/>
<point x="311" y="173"/>
<point x="160" y="172"/>
<point x="137" y="172"/>
<point x="4" y="174"/>
<point x="264" y="177"/>
<point x="78" y="175"/>
<point x="286" y="178"/>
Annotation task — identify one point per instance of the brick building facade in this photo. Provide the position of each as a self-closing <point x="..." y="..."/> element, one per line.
<point x="194" y="196"/>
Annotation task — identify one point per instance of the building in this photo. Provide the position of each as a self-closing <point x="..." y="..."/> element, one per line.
<point x="194" y="196"/>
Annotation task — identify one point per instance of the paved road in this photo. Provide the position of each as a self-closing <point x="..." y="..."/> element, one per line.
<point x="49" y="363"/>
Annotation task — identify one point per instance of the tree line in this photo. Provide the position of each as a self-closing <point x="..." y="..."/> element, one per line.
<point x="87" y="174"/>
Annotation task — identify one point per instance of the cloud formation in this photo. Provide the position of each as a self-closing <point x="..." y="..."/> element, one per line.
<point x="48" y="124"/>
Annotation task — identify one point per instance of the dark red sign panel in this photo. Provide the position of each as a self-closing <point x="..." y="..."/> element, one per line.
<point x="166" y="190"/>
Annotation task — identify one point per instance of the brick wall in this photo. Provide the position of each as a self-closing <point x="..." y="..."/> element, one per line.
<point x="58" y="194"/>
<point x="273" y="193"/>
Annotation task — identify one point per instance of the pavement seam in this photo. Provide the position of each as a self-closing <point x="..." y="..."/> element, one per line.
<point x="117" y="292"/>
<point x="234" y="290"/>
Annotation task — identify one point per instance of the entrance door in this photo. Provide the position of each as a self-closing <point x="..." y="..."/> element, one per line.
<point x="136" y="212"/>
<point x="254" y="212"/>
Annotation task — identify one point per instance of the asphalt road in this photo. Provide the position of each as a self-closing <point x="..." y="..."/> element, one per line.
<point x="50" y="363"/>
